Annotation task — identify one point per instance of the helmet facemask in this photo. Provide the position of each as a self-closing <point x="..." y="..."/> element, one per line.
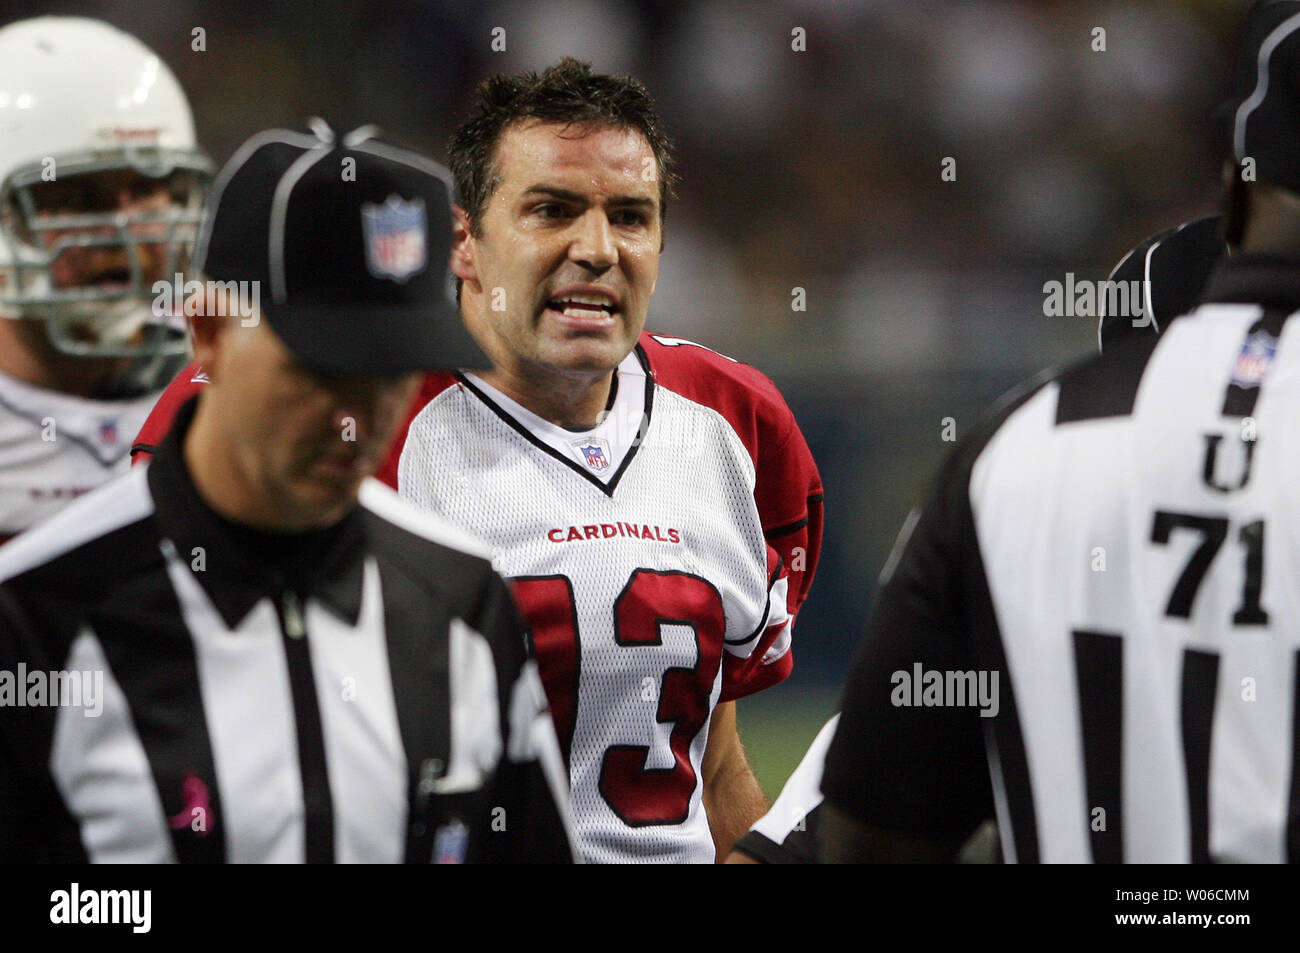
<point x="116" y="312"/>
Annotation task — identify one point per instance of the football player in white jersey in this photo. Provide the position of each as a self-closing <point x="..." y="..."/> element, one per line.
<point x="654" y="502"/>
<point x="100" y="186"/>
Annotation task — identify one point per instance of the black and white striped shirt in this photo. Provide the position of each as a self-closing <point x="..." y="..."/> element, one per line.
<point x="1118" y="545"/>
<point x="358" y="695"/>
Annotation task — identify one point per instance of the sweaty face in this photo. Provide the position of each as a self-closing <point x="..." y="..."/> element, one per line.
<point x="299" y="443"/>
<point x="560" y="276"/>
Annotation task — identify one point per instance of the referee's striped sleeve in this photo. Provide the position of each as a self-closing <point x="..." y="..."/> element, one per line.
<point x="918" y="769"/>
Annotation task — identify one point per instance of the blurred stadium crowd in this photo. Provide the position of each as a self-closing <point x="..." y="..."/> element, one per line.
<point x="815" y="169"/>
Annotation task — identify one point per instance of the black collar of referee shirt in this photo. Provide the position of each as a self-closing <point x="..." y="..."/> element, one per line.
<point x="1255" y="279"/>
<point x="243" y="565"/>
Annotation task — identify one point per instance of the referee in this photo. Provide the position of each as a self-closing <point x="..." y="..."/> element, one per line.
<point x="1093" y="631"/>
<point x="249" y="651"/>
<point x="1170" y="270"/>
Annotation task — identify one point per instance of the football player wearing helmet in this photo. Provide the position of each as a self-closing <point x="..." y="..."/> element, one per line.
<point x="101" y="183"/>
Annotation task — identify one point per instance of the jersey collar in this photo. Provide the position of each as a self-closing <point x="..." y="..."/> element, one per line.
<point x="602" y="453"/>
<point x="1267" y="280"/>
<point x="235" y="575"/>
<point x="104" y="428"/>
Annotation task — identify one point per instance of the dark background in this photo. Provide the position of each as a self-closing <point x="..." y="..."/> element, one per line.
<point x="817" y="170"/>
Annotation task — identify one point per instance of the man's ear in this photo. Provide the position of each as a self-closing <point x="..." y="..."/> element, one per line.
<point x="463" y="264"/>
<point x="208" y="333"/>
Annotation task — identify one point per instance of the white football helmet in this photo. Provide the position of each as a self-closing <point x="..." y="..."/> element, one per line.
<point x="81" y="98"/>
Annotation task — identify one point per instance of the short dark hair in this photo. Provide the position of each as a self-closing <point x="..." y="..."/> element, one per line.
<point x="569" y="93"/>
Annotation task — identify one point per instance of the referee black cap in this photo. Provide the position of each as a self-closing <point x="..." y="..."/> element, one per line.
<point x="1266" y="119"/>
<point x="1168" y="271"/>
<point x="349" y="241"/>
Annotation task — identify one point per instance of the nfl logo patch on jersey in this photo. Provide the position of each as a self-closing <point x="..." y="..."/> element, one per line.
<point x="395" y="237"/>
<point x="595" y="454"/>
<point x="1256" y="356"/>
<point x="108" y="432"/>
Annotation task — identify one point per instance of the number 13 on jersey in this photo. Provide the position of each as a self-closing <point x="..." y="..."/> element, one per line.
<point x="650" y="602"/>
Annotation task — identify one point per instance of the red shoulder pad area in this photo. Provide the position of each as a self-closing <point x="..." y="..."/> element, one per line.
<point x="432" y="385"/>
<point x="159" y="422"/>
<point x="788" y="488"/>
<point x="744" y="395"/>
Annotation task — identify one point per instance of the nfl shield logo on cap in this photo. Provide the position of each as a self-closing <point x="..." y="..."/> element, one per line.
<point x="358" y="266"/>
<point x="395" y="237"/>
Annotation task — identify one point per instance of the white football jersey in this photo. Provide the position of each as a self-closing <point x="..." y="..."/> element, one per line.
<point x="641" y="563"/>
<point x="55" y="447"/>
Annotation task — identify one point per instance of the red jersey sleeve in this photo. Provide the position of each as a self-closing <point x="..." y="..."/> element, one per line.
<point x="787" y="490"/>
<point x="159" y="422"/>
